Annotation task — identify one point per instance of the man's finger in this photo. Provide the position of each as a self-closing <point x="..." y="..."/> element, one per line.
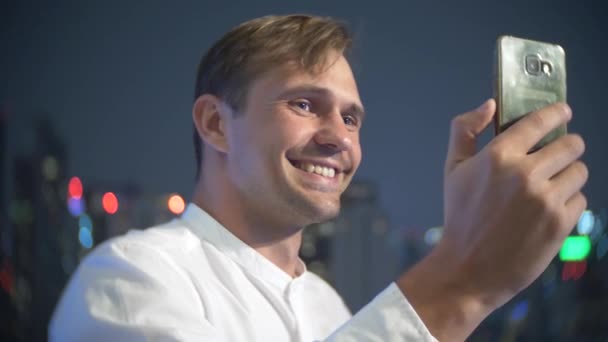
<point x="464" y="131"/>
<point x="555" y="156"/>
<point x="574" y="208"/>
<point x="530" y="129"/>
<point x="570" y="180"/>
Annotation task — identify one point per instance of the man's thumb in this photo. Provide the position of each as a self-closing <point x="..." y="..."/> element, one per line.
<point x="464" y="131"/>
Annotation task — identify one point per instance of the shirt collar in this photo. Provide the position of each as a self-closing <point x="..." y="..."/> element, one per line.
<point x="207" y="228"/>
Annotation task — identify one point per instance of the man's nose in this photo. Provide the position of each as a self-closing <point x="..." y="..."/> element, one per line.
<point x="333" y="134"/>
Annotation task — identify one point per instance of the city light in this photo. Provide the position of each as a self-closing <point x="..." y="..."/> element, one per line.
<point x="75" y="188"/>
<point x="308" y="248"/>
<point x="519" y="311"/>
<point x="574" y="270"/>
<point x="75" y="206"/>
<point x="50" y="168"/>
<point x="85" y="237"/>
<point x="585" y="223"/>
<point x="327" y="229"/>
<point x="7" y="276"/>
<point x="85" y="222"/>
<point x="433" y="235"/>
<point x="176" y="204"/>
<point x="575" y="248"/>
<point x="110" y="203"/>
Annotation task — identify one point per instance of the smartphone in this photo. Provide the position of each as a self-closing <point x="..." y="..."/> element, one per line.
<point x="529" y="75"/>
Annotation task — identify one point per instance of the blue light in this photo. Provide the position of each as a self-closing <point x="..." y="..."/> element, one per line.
<point x="585" y="223"/>
<point x="85" y="238"/>
<point x="75" y="206"/>
<point x="549" y="290"/>
<point x="520" y="311"/>
<point x="433" y="235"/>
<point x="85" y="222"/>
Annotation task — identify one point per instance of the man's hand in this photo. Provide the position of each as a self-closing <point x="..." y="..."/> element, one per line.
<point x="506" y="214"/>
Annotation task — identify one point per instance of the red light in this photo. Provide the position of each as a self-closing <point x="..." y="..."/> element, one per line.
<point x="110" y="203"/>
<point x="75" y="188"/>
<point x="7" y="277"/>
<point x="574" y="270"/>
<point x="176" y="204"/>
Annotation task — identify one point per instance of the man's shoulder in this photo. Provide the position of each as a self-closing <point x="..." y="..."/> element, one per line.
<point x="116" y="281"/>
<point x="152" y="257"/>
<point x="167" y="239"/>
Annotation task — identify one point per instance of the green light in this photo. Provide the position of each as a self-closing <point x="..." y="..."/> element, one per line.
<point x="575" y="248"/>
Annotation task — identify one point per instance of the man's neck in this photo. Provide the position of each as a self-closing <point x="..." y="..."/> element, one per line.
<point x="280" y="245"/>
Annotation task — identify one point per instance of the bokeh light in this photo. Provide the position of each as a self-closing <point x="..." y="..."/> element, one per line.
<point x="110" y="203"/>
<point x="75" y="187"/>
<point x="519" y="311"/>
<point x="176" y="204"/>
<point x="85" y="222"/>
<point x="85" y="237"/>
<point x="433" y="235"/>
<point x="574" y="270"/>
<point x="585" y="223"/>
<point x="75" y="206"/>
<point x="575" y="248"/>
<point x="50" y="168"/>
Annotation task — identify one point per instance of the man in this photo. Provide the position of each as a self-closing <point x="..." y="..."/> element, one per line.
<point x="277" y="117"/>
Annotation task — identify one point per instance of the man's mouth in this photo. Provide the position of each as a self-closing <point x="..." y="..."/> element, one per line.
<point x="310" y="167"/>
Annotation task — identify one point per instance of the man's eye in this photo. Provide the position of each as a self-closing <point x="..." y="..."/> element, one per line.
<point x="349" y="120"/>
<point x="303" y="105"/>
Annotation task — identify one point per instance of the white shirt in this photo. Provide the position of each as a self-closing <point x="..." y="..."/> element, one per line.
<point x="192" y="280"/>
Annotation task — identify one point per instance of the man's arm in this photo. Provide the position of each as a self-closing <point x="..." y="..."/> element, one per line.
<point x="389" y="317"/>
<point x="506" y="212"/>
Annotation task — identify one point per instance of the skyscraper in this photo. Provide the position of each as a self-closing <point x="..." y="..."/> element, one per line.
<point x="353" y="251"/>
<point x="41" y="239"/>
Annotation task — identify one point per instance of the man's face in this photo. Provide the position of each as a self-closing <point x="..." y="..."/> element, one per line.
<point x="294" y="148"/>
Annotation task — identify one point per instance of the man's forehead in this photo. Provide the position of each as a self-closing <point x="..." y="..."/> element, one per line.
<point x="315" y="90"/>
<point x="335" y="79"/>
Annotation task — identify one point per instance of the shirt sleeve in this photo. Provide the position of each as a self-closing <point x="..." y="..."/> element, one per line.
<point x="389" y="317"/>
<point x="130" y="292"/>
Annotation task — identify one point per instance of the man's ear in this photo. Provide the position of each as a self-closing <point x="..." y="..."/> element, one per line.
<point x="209" y="114"/>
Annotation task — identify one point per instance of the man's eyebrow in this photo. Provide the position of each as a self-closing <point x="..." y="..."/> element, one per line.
<point x="353" y="108"/>
<point x="356" y="110"/>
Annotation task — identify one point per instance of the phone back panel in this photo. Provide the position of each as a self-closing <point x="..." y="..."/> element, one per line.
<point x="529" y="75"/>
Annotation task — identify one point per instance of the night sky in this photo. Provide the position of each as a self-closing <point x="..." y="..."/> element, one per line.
<point x="116" y="79"/>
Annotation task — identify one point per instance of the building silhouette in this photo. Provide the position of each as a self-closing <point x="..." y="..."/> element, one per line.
<point x="353" y="251"/>
<point x="39" y="232"/>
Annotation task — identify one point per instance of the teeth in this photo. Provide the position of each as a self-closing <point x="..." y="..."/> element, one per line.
<point x="320" y="170"/>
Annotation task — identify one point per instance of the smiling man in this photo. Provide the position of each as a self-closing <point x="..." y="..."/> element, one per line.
<point x="277" y="116"/>
<point x="288" y="151"/>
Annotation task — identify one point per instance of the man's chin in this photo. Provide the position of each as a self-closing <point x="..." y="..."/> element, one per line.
<point x="318" y="214"/>
<point x="315" y="205"/>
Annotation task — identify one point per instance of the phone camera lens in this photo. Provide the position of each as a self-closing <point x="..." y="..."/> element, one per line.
<point x="533" y="65"/>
